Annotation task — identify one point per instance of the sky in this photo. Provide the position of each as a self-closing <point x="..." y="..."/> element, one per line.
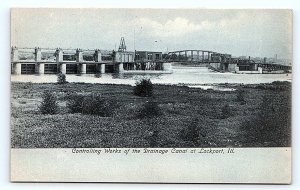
<point x="256" y="33"/>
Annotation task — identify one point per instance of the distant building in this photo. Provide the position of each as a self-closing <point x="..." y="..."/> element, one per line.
<point x="148" y="56"/>
<point x="124" y="56"/>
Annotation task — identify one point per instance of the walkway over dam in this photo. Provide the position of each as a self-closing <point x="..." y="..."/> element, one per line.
<point x="78" y="61"/>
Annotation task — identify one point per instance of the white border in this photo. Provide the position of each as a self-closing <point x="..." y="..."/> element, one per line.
<point x="192" y="165"/>
<point x="5" y="81"/>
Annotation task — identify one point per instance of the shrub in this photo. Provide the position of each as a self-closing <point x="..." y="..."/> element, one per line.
<point x="143" y="88"/>
<point x="225" y="112"/>
<point x="61" y="78"/>
<point x="27" y="85"/>
<point x="49" y="104"/>
<point x="97" y="105"/>
<point x="75" y="103"/>
<point x="91" y="105"/>
<point x="150" y="109"/>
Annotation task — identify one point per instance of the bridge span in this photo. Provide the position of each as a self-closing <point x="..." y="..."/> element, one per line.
<point x="223" y="62"/>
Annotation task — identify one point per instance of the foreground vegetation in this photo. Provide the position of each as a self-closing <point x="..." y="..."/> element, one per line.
<point x="97" y="115"/>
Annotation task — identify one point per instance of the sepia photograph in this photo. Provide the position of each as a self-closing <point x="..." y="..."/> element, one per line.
<point x="154" y="80"/>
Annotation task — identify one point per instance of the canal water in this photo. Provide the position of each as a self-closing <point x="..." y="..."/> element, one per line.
<point x="191" y="76"/>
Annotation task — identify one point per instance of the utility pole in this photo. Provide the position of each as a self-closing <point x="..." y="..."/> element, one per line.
<point x="134" y="39"/>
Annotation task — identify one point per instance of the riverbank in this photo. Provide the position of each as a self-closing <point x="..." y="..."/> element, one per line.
<point x="254" y="115"/>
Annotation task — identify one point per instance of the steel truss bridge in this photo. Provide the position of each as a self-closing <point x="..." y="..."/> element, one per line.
<point x="207" y="57"/>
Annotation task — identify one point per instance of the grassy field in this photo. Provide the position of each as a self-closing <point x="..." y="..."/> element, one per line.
<point x="254" y="116"/>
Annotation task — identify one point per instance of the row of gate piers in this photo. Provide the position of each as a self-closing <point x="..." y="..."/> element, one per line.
<point x="87" y="68"/>
<point x="53" y="61"/>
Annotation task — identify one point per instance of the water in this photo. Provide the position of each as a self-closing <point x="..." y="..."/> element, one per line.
<point x="191" y="76"/>
<point x="212" y="87"/>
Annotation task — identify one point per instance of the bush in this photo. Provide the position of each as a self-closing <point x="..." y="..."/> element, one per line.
<point x="27" y="85"/>
<point x="150" y="110"/>
<point x="49" y="104"/>
<point x="75" y="103"/>
<point x="97" y="105"/>
<point x="61" y="78"/>
<point x="91" y="105"/>
<point x="225" y="112"/>
<point x="144" y="88"/>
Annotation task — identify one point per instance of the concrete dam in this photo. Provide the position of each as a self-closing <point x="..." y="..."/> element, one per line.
<point x="78" y="61"/>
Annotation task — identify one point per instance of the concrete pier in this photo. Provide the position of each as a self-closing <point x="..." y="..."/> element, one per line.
<point x="59" y="55"/>
<point x="120" y="68"/>
<point x="255" y="67"/>
<point x="102" y="68"/>
<point x="15" y="54"/>
<point x="39" y="67"/>
<point x="37" y="54"/>
<point x="237" y="69"/>
<point x="79" y="57"/>
<point x="17" y="68"/>
<point x="82" y="68"/>
<point x="98" y="55"/>
<point x="63" y="68"/>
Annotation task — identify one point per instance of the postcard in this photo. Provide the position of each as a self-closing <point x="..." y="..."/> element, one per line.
<point x="151" y="95"/>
